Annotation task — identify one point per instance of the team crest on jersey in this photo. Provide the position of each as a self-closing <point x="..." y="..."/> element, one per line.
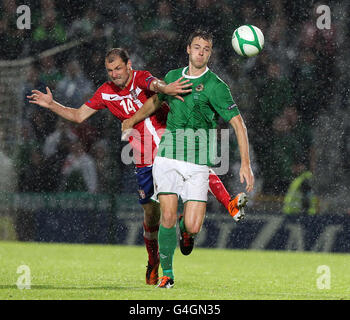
<point x="200" y="87"/>
<point x="142" y="194"/>
<point x="133" y="94"/>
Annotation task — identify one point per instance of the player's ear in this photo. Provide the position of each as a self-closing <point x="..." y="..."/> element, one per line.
<point x="129" y="64"/>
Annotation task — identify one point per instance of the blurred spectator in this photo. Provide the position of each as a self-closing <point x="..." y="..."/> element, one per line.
<point x="50" y="72"/>
<point x="300" y="198"/>
<point x="274" y="96"/>
<point x="84" y="25"/>
<point x="322" y="42"/>
<point x="331" y="166"/>
<point x="277" y="43"/>
<point x="79" y="171"/>
<point x="101" y="155"/>
<point x="88" y="132"/>
<point x="97" y="48"/>
<point x="126" y="34"/>
<point x="125" y="31"/>
<point x="30" y="167"/>
<point x="74" y="89"/>
<point x="56" y="149"/>
<point x="8" y="174"/>
<point x="305" y="83"/>
<point x="8" y="181"/>
<point x="43" y="123"/>
<point x="159" y="32"/>
<point x="42" y="120"/>
<point x="47" y="5"/>
<point x="72" y="10"/>
<point x="289" y="154"/>
<point x="50" y="32"/>
<point x="31" y="82"/>
<point x="206" y="14"/>
<point x="60" y="139"/>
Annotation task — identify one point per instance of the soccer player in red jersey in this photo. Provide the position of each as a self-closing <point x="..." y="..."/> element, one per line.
<point x="123" y="95"/>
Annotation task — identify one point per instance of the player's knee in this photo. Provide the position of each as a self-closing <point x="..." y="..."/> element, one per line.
<point x="168" y="219"/>
<point x="193" y="229"/>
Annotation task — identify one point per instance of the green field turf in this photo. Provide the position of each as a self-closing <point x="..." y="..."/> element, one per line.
<point x="69" y="271"/>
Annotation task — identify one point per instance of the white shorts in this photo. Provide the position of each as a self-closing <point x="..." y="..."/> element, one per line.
<point x="188" y="180"/>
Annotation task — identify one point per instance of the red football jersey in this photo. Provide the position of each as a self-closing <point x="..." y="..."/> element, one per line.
<point x="123" y="103"/>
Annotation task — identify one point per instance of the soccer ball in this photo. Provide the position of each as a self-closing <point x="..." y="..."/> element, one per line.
<point x="247" y="40"/>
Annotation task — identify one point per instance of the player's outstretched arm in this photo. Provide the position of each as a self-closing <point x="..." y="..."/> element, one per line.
<point x="245" y="172"/>
<point x="172" y="89"/>
<point x="46" y="100"/>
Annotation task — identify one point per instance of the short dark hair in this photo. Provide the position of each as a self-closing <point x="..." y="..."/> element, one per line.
<point x="206" y="35"/>
<point x="117" y="52"/>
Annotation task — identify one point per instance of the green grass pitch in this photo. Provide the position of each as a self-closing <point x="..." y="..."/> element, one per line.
<point x="83" y="272"/>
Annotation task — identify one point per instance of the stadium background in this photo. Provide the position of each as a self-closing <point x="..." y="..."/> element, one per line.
<point x="294" y="98"/>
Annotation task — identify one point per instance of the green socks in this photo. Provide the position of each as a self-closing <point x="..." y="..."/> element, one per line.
<point x="167" y="241"/>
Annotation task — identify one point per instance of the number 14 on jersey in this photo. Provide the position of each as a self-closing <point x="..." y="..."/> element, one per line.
<point x="128" y="106"/>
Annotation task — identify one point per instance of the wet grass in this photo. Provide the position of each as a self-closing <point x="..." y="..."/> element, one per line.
<point x="84" y="272"/>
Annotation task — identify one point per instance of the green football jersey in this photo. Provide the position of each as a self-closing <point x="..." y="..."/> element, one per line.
<point x="190" y="133"/>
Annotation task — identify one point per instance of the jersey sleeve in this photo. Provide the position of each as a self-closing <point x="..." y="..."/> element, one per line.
<point x="222" y="101"/>
<point x="96" y="102"/>
<point x="144" y="79"/>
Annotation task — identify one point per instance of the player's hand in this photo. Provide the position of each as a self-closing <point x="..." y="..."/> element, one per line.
<point x="246" y="174"/>
<point x="126" y="129"/>
<point x="40" y="98"/>
<point x="178" y="87"/>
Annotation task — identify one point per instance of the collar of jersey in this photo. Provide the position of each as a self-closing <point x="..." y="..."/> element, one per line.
<point x="193" y="77"/>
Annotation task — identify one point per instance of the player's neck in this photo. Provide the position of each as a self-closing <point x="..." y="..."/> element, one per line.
<point x="195" y="72"/>
<point x="127" y="82"/>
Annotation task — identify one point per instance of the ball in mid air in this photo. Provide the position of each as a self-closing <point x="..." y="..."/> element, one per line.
<point x="247" y="40"/>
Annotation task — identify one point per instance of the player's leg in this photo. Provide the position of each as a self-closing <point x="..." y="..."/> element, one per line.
<point x="190" y="224"/>
<point x="167" y="182"/>
<point x="150" y="237"/>
<point x="218" y="190"/>
<point x="194" y="195"/>
<point x="150" y="222"/>
<point x="234" y="205"/>
<point x="167" y="237"/>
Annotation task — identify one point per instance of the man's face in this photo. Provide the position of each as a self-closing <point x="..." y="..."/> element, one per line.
<point x="199" y="52"/>
<point x="119" y="72"/>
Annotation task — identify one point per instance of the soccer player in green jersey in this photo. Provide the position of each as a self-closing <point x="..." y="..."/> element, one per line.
<point x="181" y="167"/>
